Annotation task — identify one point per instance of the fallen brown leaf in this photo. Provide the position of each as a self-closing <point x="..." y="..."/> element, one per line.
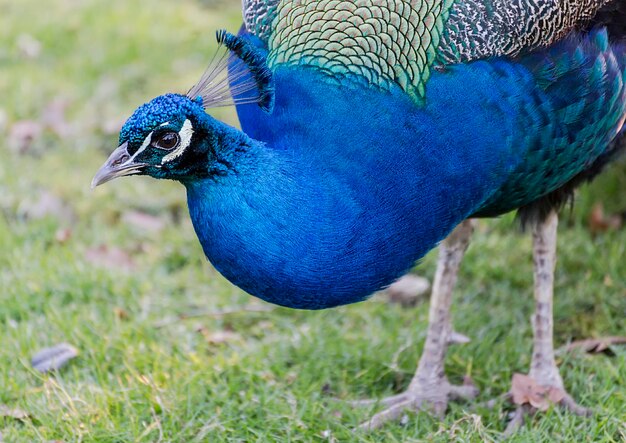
<point x="63" y="235"/>
<point x="53" y="358"/>
<point x="120" y="313"/>
<point x="600" y="222"/>
<point x="525" y="390"/>
<point x="594" y="345"/>
<point x="109" y="257"/>
<point x="17" y="414"/>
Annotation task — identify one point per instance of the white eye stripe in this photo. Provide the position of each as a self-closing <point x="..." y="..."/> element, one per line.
<point x="185" y="134"/>
<point x="144" y="145"/>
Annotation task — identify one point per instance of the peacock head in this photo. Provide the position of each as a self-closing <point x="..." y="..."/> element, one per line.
<point x="173" y="137"/>
<point x="168" y="137"/>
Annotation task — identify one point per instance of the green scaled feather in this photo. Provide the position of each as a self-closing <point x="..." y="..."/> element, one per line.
<point x="394" y="41"/>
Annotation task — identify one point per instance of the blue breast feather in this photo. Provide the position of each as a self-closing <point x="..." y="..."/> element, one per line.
<point x="348" y="188"/>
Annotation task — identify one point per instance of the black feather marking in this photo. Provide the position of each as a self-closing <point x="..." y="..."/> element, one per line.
<point x="237" y="74"/>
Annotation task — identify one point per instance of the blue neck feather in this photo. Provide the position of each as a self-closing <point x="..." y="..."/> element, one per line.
<point x="314" y="214"/>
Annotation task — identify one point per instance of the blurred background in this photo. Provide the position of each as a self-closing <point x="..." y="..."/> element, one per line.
<point x="170" y="351"/>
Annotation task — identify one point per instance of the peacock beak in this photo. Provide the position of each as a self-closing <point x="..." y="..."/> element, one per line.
<point x="119" y="164"/>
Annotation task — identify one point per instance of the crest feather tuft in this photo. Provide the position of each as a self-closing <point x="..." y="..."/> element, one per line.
<point x="237" y="74"/>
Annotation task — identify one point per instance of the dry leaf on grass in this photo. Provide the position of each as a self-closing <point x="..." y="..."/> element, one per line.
<point x="120" y="313"/>
<point x="594" y="345"/>
<point x="63" y="235"/>
<point x="600" y="222"/>
<point x="53" y="358"/>
<point x="525" y="390"/>
<point x="17" y="414"/>
<point x="109" y="257"/>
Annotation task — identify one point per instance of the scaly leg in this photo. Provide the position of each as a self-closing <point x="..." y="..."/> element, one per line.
<point x="543" y="370"/>
<point x="429" y="387"/>
<point x="543" y="366"/>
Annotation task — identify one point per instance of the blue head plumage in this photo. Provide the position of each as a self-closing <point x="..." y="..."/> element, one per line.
<point x="167" y="108"/>
<point x="171" y="136"/>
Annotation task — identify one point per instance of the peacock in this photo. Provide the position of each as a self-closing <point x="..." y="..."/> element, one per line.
<point x="373" y="131"/>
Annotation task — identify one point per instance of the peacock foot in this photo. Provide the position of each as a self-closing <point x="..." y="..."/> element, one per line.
<point x="431" y="397"/>
<point x="532" y="395"/>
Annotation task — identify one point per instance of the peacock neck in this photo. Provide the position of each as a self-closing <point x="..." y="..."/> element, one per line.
<point x="219" y="150"/>
<point x="284" y="229"/>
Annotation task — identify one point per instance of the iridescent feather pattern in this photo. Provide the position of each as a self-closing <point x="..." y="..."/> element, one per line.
<point x="381" y="43"/>
<point x="387" y="42"/>
<point x="258" y="16"/>
<point x="581" y="130"/>
<point x="486" y="28"/>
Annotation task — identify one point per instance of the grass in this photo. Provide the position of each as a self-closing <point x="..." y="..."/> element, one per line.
<point x="264" y="376"/>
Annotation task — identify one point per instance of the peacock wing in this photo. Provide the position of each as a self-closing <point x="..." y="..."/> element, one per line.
<point x="391" y="43"/>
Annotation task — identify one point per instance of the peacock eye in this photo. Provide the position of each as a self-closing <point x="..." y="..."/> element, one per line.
<point x="167" y="140"/>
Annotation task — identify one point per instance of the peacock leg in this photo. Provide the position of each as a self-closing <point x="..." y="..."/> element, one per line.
<point x="543" y="371"/>
<point x="429" y="388"/>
